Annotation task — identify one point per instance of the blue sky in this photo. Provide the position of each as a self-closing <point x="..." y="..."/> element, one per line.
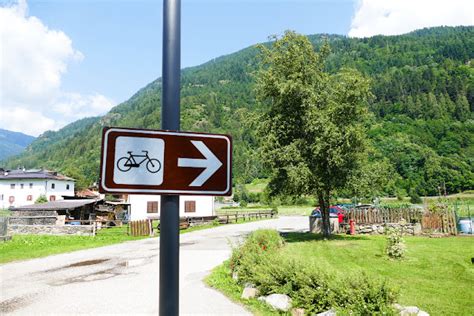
<point x="63" y="60"/>
<point x="121" y="40"/>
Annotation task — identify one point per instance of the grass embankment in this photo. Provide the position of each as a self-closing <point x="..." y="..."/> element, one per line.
<point x="23" y="247"/>
<point x="436" y="275"/>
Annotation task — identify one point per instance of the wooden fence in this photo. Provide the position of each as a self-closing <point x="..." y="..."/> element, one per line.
<point x="442" y="222"/>
<point x="141" y="227"/>
<point x="384" y="215"/>
<point x="227" y="218"/>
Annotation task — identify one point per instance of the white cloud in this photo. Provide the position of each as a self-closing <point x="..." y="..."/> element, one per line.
<point x="392" y="17"/>
<point x="33" y="60"/>
<point x="25" y="121"/>
<point x="75" y="105"/>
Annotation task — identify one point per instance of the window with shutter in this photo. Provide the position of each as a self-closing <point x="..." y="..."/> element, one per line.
<point x="152" y="207"/>
<point x="189" y="206"/>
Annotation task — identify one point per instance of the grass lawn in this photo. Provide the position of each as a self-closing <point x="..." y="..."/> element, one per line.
<point x="437" y="274"/>
<point x="23" y="247"/>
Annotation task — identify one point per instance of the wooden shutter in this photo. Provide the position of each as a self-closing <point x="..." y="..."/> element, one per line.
<point x="152" y="207"/>
<point x="189" y="206"/>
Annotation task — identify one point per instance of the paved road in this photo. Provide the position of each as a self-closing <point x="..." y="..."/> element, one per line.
<point x="123" y="279"/>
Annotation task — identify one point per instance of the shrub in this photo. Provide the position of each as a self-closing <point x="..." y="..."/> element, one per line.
<point x="415" y="198"/>
<point x="246" y="256"/>
<point x="259" y="261"/>
<point x="41" y="199"/>
<point x="395" y="243"/>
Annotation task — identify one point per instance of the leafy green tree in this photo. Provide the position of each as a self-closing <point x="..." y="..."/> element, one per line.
<point x="41" y="199"/>
<point x="313" y="134"/>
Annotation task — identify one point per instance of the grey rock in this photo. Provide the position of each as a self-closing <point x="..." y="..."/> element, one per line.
<point x="330" y="312"/>
<point x="398" y="306"/>
<point x="297" y="312"/>
<point x="279" y="301"/>
<point x="409" y="310"/>
<point x="417" y="229"/>
<point x="422" y="313"/>
<point x="235" y="276"/>
<point x="249" y="292"/>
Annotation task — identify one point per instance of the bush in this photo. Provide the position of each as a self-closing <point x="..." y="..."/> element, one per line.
<point x="395" y="244"/>
<point x="415" y="198"/>
<point x="41" y="199"/>
<point x="245" y="257"/>
<point x="259" y="261"/>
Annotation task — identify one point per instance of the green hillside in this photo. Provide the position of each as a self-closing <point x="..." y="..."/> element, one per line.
<point x="423" y="86"/>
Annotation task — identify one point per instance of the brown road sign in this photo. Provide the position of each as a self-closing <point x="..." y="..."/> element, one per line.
<point x="161" y="162"/>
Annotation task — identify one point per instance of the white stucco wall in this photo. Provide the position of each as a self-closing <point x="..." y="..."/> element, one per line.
<point x="138" y="206"/>
<point x="38" y="187"/>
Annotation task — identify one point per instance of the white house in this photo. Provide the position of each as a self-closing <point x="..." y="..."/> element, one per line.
<point x="149" y="206"/>
<point x="22" y="187"/>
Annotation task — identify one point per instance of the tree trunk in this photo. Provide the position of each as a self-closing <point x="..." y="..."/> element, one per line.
<point x="323" y="198"/>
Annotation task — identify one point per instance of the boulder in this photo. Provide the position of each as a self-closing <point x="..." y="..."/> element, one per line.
<point x="330" y="312"/>
<point x="409" y="310"/>
<point x="422" y="313"/>
<point x="249" y="292"/>
<point x="297" y="312"/>
<point x="417" y="229"/>
<point x="280" y="302"/>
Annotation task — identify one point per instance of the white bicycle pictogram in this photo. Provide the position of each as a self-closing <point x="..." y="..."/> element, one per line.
<point x="124" y="164"/>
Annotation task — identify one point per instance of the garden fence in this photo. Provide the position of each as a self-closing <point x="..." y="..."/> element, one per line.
<point x="442" y="221"/>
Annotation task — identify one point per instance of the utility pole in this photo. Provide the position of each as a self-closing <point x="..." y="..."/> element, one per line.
<point x="170" y="119"/>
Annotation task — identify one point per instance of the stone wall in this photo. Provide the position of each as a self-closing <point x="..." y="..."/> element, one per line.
<point x="375" y="229"/>
<point x="33" y="220"/>
<point x="33" y="217"/>
<point x="80" y="230"/>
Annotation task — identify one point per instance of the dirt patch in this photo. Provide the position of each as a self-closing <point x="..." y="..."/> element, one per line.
<point x="86" y="263"/>
<point x="13" y="304"/>
<point x="96" y="276"/>
<point x="189" y="243"/>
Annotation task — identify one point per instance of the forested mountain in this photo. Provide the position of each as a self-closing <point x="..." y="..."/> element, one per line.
<point x="422" y="123"/>
<point x="13" y="143"/>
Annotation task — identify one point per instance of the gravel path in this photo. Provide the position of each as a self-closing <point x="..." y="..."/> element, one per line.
<point x="123" y="279"/>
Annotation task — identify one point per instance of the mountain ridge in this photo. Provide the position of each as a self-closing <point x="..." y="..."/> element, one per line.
<point x="423" y="88"/>
<point x="13" y="143"/>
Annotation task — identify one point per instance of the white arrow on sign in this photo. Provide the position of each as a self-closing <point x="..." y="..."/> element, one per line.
<point x="211" y="163"/>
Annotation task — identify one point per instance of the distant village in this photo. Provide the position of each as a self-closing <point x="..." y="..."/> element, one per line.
<point x="40" y="198"/>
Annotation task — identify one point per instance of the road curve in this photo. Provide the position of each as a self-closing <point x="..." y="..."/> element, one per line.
<point x="123" y="279"/>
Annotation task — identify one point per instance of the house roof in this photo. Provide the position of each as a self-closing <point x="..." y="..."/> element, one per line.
<point x="56" y="205"/>
<point x="87" y="193"/>
<point x="32" y="174"/>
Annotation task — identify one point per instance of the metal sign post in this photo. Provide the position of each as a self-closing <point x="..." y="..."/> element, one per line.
<point x="170" y="117"/>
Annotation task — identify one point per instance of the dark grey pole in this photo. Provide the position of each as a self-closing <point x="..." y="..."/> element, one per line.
<point x="170" y="116"/>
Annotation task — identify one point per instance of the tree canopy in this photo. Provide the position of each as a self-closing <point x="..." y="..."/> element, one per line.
<point x="313" y="134"/>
